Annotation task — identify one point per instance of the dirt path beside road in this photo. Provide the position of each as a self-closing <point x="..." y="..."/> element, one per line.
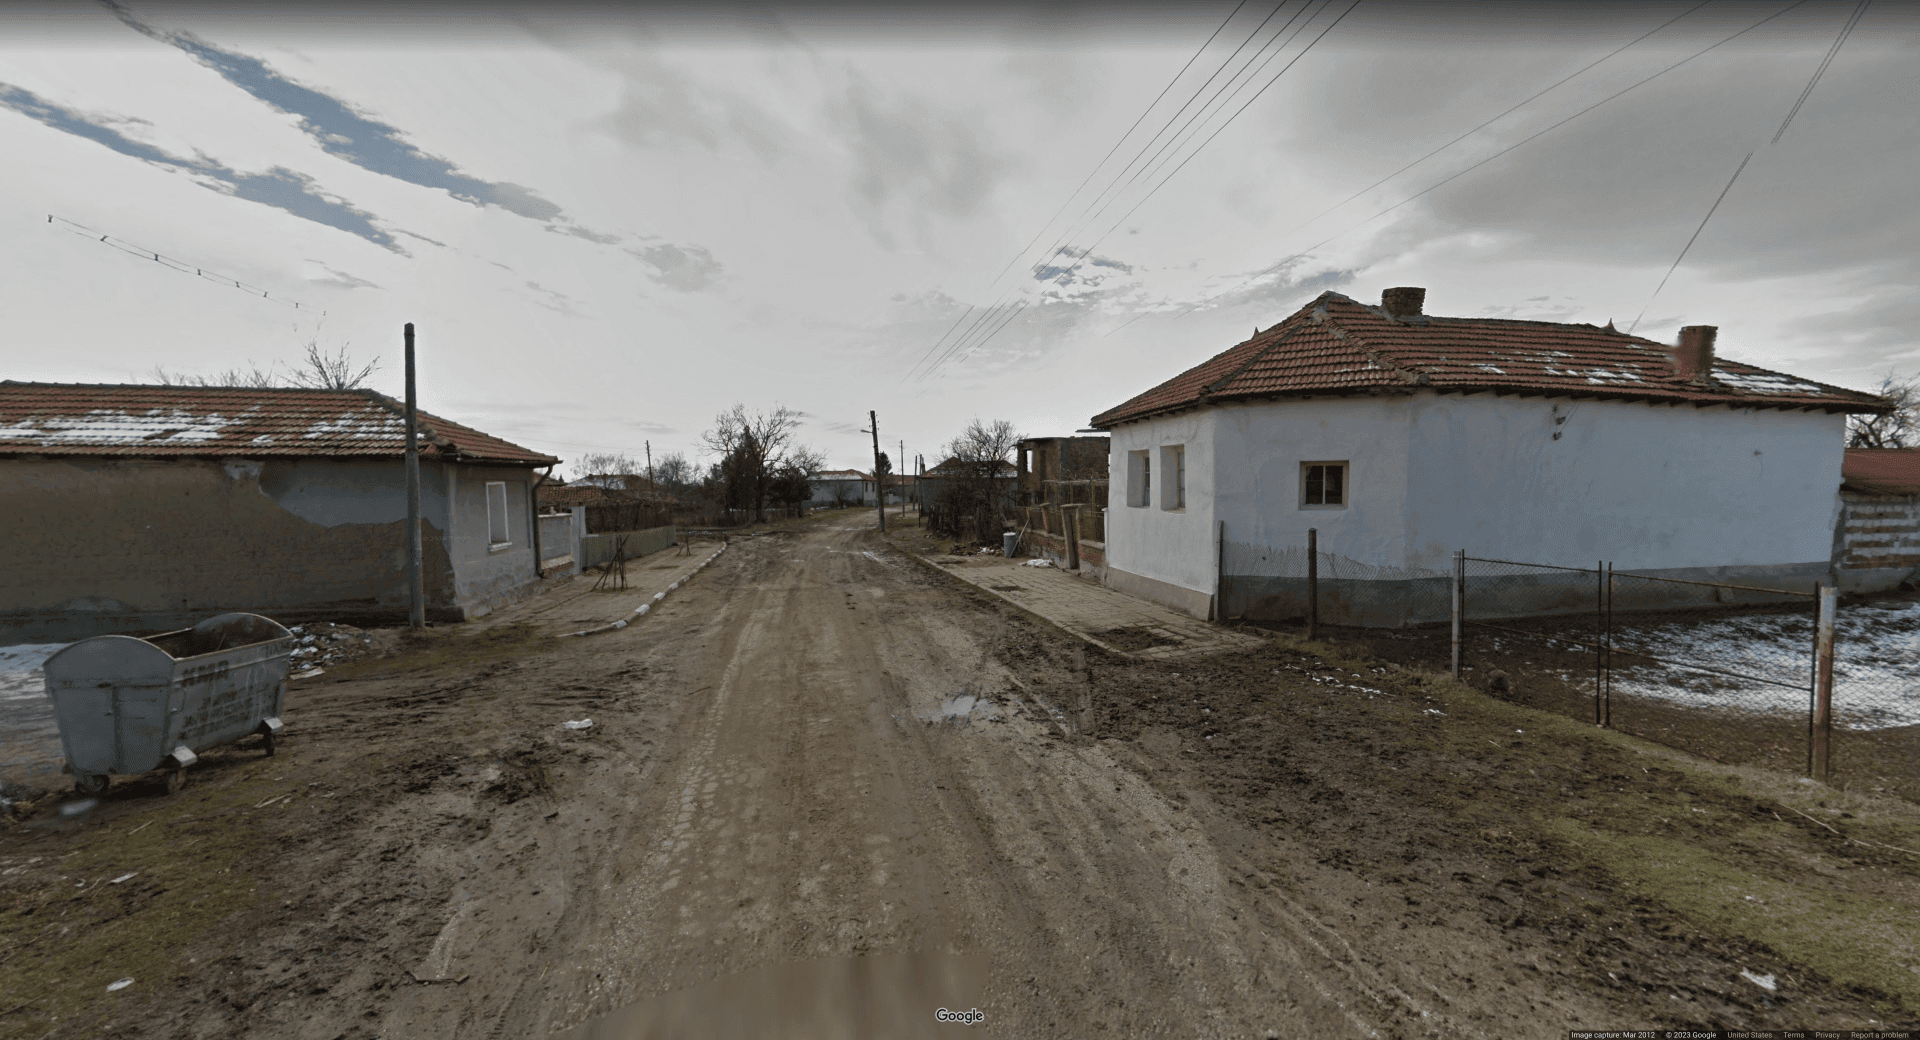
<point x="827" y="791"/>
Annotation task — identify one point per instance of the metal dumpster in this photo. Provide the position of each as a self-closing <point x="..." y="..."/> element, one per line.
<point x="127" y="705"/>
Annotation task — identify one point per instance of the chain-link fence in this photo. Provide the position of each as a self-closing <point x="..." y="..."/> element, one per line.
<point x="1723" y="670"/>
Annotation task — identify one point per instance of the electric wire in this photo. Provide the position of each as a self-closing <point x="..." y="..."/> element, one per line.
<point x="1190" y="308"/>
<point x="165" y="261"/>
<point x="1065" y="205"/>
<point x="1116" y="145"/>
<point x="1690" y="241"/>
<point x="963" y="349"/>
<point x="1839" y="41"/>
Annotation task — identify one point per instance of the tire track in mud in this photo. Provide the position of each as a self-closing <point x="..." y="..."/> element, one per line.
<point x="817" y="810"/>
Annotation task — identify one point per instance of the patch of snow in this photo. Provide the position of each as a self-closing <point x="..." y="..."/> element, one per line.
<point x="1765" y="382"/>
<point x="113" y="426"/>
<point x="359" y="425"/>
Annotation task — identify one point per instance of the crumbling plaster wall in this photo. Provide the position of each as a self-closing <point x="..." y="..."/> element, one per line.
<point x="103" y="544"/>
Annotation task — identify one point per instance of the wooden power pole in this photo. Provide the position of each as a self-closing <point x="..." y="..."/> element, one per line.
<point x="879" y="494"/>
<point x="416" y="584"/>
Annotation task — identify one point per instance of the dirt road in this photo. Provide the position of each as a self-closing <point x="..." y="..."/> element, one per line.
<point x="828" y="792"/>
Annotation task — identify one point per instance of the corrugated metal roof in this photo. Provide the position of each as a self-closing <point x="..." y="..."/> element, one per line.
<point x="109" y="419"/>
<point x="1882" y="471"/>
<point x="1338" y="345"/>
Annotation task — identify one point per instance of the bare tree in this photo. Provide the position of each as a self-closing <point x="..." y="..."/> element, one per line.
<point x="253" y="376"/>
<point x="321" y="372"/>
<point x="623" y="470"/>
<point x="1899" y="428"/>
<point x="976" y="477"/>
<point x="673" y="472"/>
<point x="752" y="446"/>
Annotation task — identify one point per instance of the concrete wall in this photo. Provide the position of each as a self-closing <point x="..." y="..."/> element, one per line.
<point x="96" y="545"/>
<point x="488" y="576"/>
<point x="557" y="546"/>
<point x="1876" y="544"/>
<point x="1165" y="555"/>
<point x="1716" y="494"/>
<point x="596" y="549"/>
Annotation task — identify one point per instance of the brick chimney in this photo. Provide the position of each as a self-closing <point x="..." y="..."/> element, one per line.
<point x="1403" y="302"/>
<point x="1693" y="357"/>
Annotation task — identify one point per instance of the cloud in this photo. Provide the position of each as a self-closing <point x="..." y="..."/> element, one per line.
<point x="661" y="107"/>
<point x="279" y="187"/>
<point x="339" y="279"/>
<point x="912" y="158"/>
<point x="685" y="268"/>
<point x="358" y="139"/>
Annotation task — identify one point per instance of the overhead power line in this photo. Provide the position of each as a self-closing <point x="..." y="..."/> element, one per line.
<point x="1190" y="308"/>
<point x="960" y="343"/>
<point x="988" y="335"/>
<point x="1838" y="42"/>
<point x="63" y="224"/>
<point x="1690" y="241"/>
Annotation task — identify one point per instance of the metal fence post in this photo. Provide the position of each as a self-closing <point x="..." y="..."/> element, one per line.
<point x="1820" y="722"/>
<point x="1459" y="603"/>
<point x="1606" y="654"/>
<point x="1599" y="638"/>
<point x="1313" y="583"/>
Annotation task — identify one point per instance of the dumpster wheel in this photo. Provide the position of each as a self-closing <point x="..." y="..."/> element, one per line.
<point x="176" y="779"/>
<point x="90" y="784"/>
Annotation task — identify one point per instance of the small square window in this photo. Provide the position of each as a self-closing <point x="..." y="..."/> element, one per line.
<point x="497" y="534"/>
<point x="1323" y="485"/>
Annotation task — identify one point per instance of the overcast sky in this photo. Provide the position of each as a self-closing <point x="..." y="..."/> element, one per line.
<point x="609" y="225"/>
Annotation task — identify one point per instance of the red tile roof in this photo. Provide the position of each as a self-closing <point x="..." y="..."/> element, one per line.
<point x="101" y="419"/>
<point x="1882" y="471"/>
<point x="1337" y="345"/>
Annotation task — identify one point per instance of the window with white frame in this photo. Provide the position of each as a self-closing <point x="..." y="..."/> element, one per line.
<point x="1323" y="485"/>
<point x="498" y="536"/>
<point x="1173" y="477"/>
<point x="1139" y="478"/>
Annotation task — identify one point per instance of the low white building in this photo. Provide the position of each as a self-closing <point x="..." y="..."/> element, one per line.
<point x="841" y="487"/>
<point x="1402" y="436"/>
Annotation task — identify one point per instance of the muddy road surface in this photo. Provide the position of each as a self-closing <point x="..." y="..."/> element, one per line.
<point x="829" y="792"/>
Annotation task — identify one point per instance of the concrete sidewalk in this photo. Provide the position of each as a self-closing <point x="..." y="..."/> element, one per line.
<point x="571" y="607"/>
<point x="1113" y="621"/>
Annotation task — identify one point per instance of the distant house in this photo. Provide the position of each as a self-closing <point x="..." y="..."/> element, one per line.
<point x="134" y="508"/>
<point x="841" y="487"/>
<point x="1877" y="538"/>
<point x="1402" y="436"/>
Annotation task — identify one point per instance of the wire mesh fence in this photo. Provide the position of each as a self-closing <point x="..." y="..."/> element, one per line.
<point x="1723" y="670"/>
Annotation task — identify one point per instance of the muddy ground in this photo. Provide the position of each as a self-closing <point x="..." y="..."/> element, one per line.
<point x="827" y="791"/>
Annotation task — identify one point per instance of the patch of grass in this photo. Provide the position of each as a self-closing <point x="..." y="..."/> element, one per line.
<point x="1855" y="941"/>
<point x="66" y="931"/>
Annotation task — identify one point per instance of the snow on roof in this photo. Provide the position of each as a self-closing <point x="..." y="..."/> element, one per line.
<point x="96" y="419"/>
<point x="1336" y="345"/>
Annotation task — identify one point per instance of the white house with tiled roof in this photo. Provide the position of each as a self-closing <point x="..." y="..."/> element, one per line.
<point x="1401" y="436"/>
<point x="130" y="508"/>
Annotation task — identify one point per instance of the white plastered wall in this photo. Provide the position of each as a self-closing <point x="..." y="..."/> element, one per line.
<point x="1645" y="487"/>
<point x="1175" y="547"/>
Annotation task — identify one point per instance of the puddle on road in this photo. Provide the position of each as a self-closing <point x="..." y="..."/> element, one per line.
<point x="882" y="995"/>
<point x="964" y="707"/>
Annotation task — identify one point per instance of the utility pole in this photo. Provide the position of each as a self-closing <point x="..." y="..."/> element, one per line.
<point x="879" y="496"/>
<point x="653" y="496"/>
<point x="902" y="457"/>
<point x="416" y="584"/>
